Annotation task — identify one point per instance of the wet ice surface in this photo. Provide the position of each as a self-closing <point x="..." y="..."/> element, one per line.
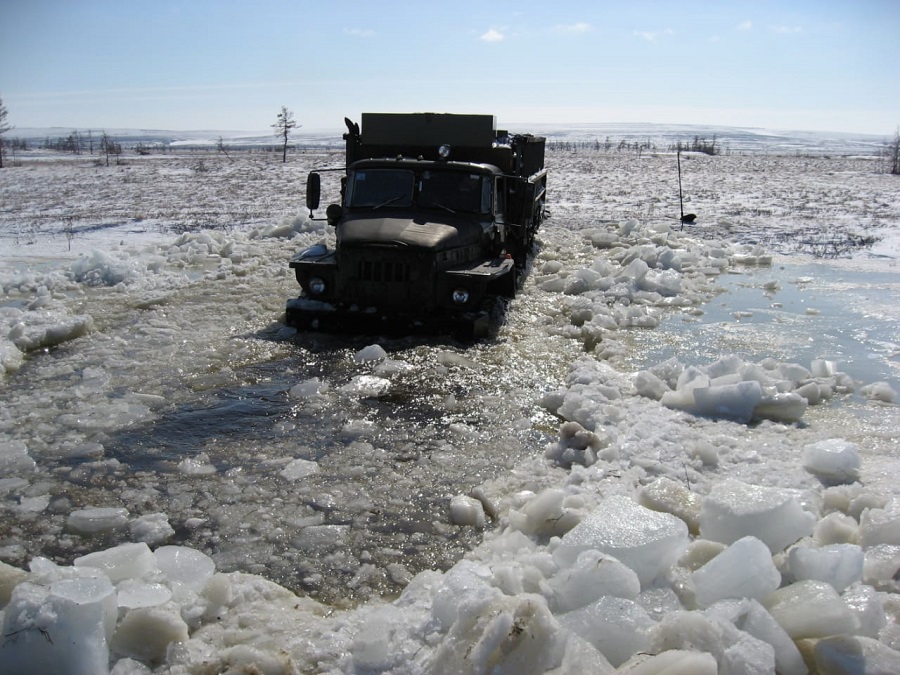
<point x="151" y="395"/>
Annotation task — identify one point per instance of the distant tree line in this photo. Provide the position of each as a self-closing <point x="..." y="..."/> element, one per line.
<point x="699" y="144"/>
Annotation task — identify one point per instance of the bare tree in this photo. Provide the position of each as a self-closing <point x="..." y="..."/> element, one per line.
<point x="894" y="154"/>
<point x="283" y="128"/>
<point x="4" y="127"/>
<point x="109" y="147"/>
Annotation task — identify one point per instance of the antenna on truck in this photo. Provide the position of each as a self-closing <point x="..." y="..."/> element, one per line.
<point x="691" y="217"/>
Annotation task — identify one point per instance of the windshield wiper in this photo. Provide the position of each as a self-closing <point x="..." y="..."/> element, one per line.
<point x="389" y="201"/>
<point x="443" y="206"/>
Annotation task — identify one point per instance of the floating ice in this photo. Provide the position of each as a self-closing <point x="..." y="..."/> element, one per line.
<point x="370" y="353"/>
<point x="465" y="510"/>
<point x="366" y="386"/>
<point x="151" y="528"/>
<point x="734" y="509"/>
<point x="646" y="541"/>
<point x="311" y="387"/>
<point x="93" y="520"/>
<point x="297" y="469"/>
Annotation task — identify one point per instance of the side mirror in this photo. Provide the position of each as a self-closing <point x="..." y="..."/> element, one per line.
<point x="333" y="213"/>
<point x="313" y="191"/>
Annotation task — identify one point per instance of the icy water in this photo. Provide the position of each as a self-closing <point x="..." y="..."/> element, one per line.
<point x="839" y="311"/>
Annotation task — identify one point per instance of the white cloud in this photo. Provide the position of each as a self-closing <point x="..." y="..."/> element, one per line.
<point x="745" y="25"/>
<point x="580" y="27"/>
<point x="359" y="32"/>
<point x="652" y="35"/>
<point x="787" y="30"/>
<point x="493" y="35"/>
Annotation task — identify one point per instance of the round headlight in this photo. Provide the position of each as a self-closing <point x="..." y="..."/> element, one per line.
<point x="444" y="151"/>
<point x="317" y="285"/>
<point x="460" y="296"/>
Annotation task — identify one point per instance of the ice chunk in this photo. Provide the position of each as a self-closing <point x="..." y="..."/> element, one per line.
<point x="647" y="541"/>
<point x="146" y="633"/>
<point x="834" y="460"/>
<point x="366" y="386"/>
<point x="465" y="510"/>
<point x="370" y="353"/>
<point x="545" y="516"/>
<point x="734" y="509"/>
<point x="151" y="528"/>
<point x="743" y="570"/>
<point x="838" y="564"/>
<point x="881" y="567"/>
<point x="879" y="391"/>
<point x="855" y="654"/>
<point x="617" y="627"/>
<point x="61" y="629"/>
<point x="784" y="407"/>
<point x="867" y="604"/>
<point x="593" y="575"/>
<point x="730" y="401"/>
<point x="751" y="617"/>
<point x="735" y="651"/>
<point x="299" y="468"/>
<point x="133" y="594"/>
<point x="880" y="526"/>
<point x="649" y="385"/>
<point x="811" y="609"/>
<point x="93" y="520"/>
<point x="307" y="388"/>
<point x="126" y="561"/>
<point x="185" y="567"/>
<point x="669" y="496"/>
<point x="671" y="662"/>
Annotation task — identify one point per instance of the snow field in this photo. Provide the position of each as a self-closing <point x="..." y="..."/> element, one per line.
<point x="681" y="517"/>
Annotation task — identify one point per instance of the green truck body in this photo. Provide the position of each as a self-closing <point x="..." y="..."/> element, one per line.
<point x="437" y="216"/>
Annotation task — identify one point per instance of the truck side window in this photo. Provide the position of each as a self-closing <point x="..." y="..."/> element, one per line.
<point x="500" y="197"/>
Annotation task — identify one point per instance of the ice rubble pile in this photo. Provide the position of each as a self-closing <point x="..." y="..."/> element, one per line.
<point x="644" y="269"/>
<point x="731" y="388"/>
<point x="744" y="579"/>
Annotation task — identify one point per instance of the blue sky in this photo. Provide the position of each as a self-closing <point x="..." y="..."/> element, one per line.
<point x="824" y="65"/>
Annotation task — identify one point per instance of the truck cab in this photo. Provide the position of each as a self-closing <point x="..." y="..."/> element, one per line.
<point x="427" y="232"/>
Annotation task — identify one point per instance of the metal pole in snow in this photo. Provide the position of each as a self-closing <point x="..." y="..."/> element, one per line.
<point x="680" y="197"/>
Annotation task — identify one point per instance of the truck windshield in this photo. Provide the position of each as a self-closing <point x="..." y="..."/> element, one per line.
<point x="374" y="188"/>
<point x="455" y="191"/>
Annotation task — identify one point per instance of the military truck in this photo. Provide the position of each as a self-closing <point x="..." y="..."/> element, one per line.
<point x="436" y="219"/>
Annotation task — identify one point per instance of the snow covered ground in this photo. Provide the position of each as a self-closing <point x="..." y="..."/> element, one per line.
<point x="679" y="452"/>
